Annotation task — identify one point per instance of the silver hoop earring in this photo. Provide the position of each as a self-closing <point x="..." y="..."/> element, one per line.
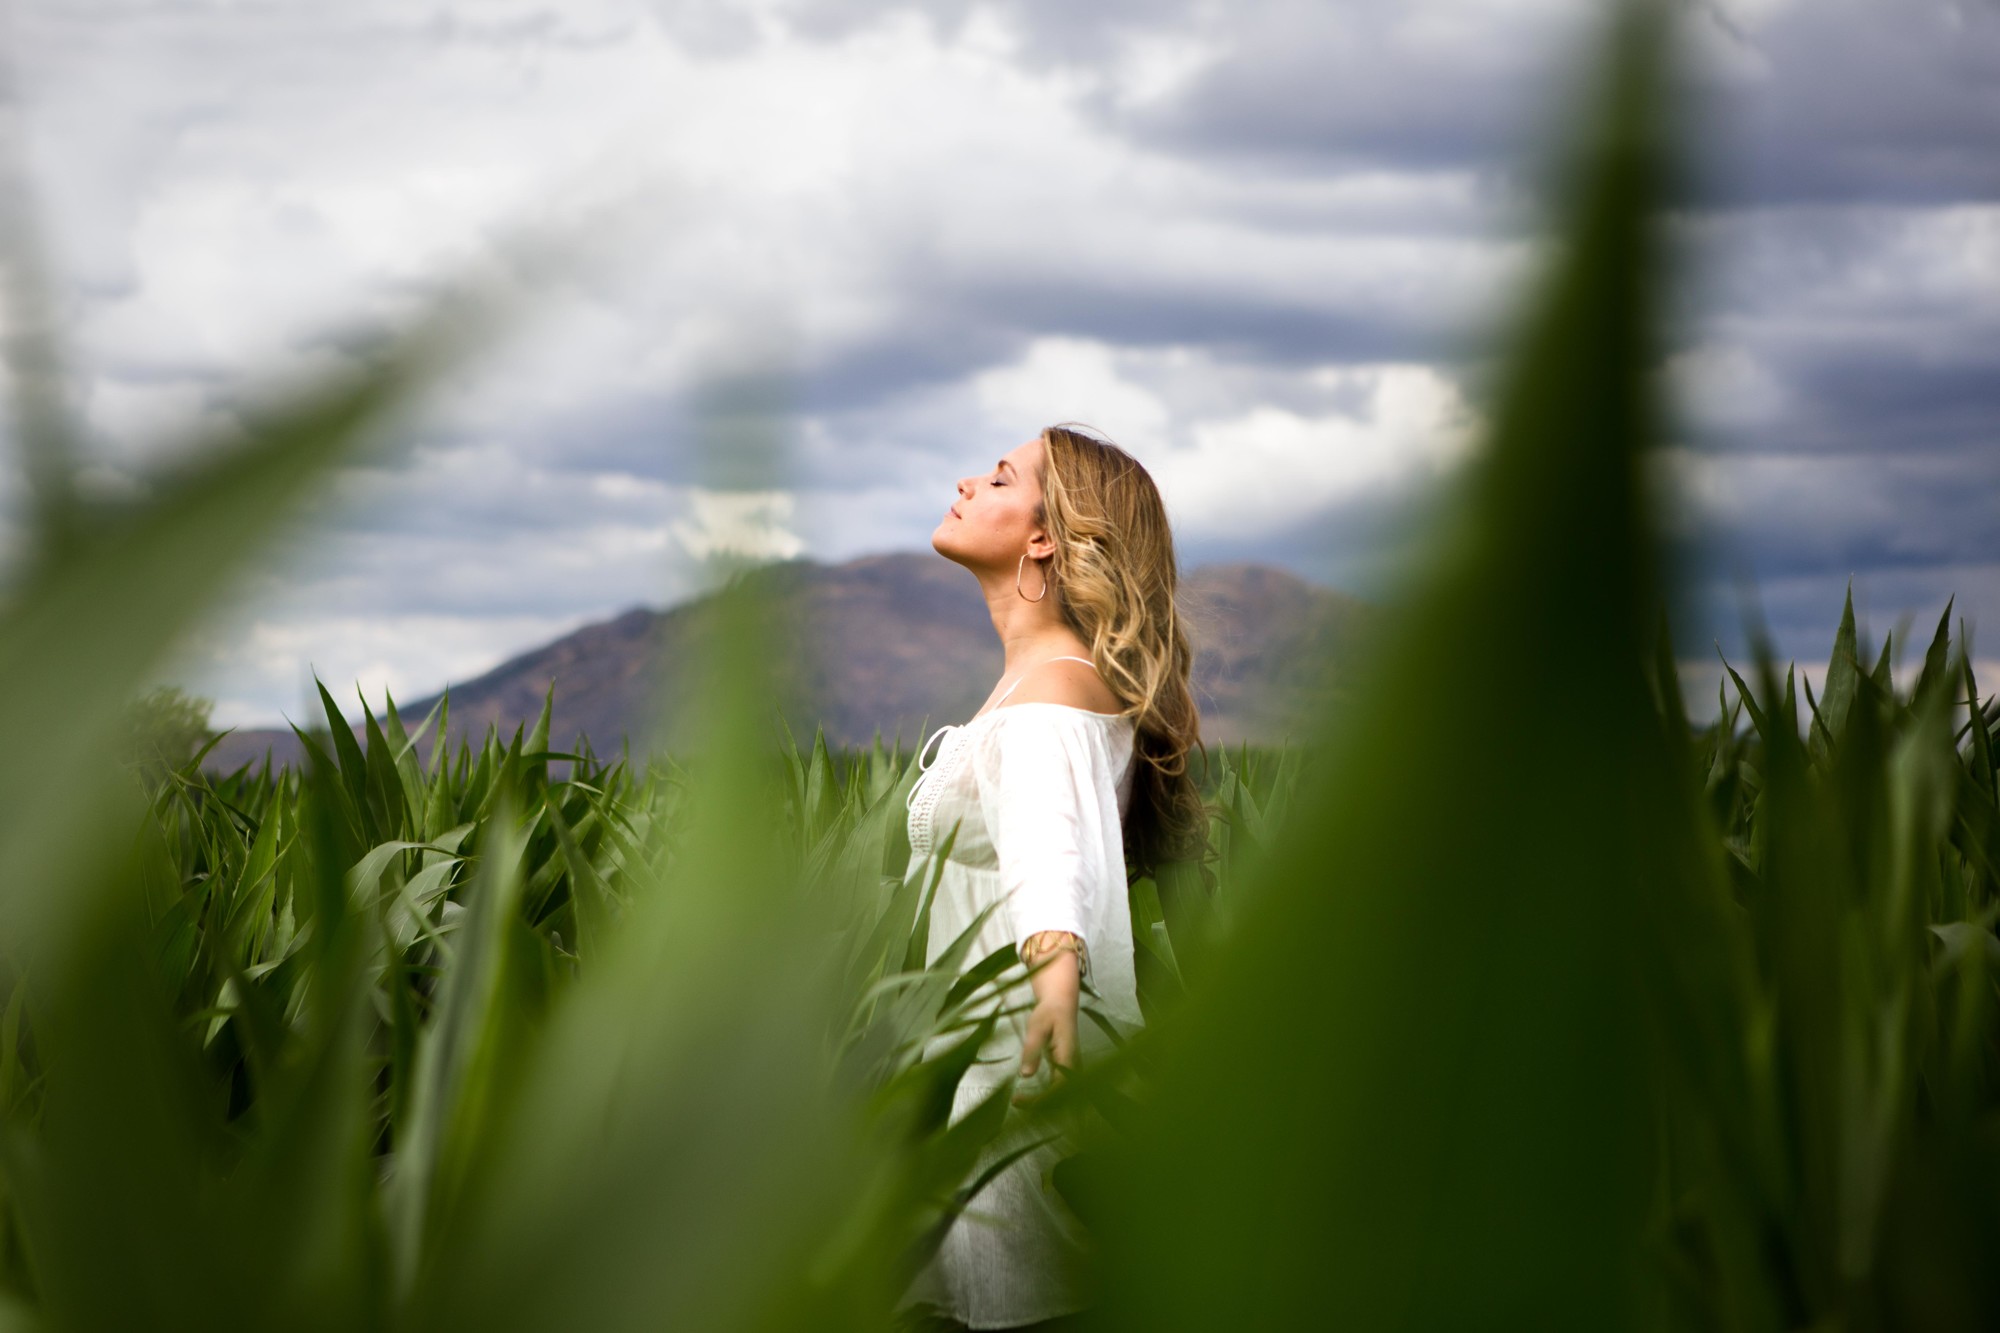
<point x="1018" y="566"/>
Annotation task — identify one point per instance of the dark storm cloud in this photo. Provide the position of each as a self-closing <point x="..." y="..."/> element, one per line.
<point x="1836" y="100"/>
<point x="1799" y="614"/>
<point x="1370" y="85"/>
<point x="1866" y="102"/>
<point x="1802" y="514"/>
<point x="1297" y="333"/>
<point x="1885" y="398"/>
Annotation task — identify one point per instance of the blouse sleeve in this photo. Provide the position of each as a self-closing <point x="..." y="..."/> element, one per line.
<point x="1038" y="791"/>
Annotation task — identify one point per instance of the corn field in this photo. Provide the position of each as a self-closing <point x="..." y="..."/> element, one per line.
<point x="1509" y="997"/>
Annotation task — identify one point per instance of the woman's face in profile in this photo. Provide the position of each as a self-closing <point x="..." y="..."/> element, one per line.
<point x="990" y="522"/>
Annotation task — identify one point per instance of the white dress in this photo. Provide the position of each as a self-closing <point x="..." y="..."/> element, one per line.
<point x="1037" y="792"/>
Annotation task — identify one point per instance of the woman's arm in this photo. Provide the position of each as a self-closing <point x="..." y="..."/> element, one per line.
<point x="1038" y="786"/>
<point x="1052" y="1022"/>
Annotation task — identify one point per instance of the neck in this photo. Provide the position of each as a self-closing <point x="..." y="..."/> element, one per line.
<point x="1030" y="632"/>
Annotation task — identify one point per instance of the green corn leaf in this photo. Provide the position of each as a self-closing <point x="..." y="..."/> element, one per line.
<point x="1842" y="675"/>
<point x="1430" y="1063"/>
<point x="1937" y="660"/>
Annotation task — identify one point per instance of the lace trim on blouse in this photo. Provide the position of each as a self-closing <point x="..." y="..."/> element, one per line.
<point x="923" y="798"/>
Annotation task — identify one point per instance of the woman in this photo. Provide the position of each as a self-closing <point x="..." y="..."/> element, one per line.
<point x="1075" y="768"/>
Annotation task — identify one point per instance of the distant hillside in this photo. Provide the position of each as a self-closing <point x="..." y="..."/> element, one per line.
<point x="884" y="643"/>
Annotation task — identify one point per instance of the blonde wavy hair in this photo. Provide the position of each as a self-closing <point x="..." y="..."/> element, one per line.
<point x="1116" y="578"/>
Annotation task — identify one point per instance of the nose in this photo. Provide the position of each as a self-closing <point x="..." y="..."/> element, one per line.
<point x="964" y="488"/>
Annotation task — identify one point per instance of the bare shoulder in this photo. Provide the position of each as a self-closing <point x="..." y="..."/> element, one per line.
<point x="1075" y="684"/>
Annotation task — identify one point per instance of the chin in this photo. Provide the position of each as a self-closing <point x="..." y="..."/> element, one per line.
<point x="944" y="548"/>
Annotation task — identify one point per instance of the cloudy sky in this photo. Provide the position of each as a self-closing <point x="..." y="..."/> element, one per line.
<point x="1257" y="243"/>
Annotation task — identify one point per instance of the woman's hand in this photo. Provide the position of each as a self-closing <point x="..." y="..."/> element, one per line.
<point x="1051" y="1030"/>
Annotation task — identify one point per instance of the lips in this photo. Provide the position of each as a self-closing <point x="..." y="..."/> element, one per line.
<point x="953" y="511"/>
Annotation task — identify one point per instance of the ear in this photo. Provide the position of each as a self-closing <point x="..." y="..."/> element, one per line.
<point x="1040" y="545"/>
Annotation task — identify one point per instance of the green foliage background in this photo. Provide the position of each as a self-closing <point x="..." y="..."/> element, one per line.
<point x="1489" y="1013"/>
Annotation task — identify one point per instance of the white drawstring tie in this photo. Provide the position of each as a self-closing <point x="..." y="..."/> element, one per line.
<point x="924" y="765"/>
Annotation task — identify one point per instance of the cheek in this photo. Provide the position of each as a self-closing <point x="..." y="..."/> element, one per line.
<point x="1000" y="526"/>
<point x="1000" y="521"/>
<point x="1013" y="510"/>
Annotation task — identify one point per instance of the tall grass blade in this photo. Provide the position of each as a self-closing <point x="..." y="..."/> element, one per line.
<point x="1414" y="1095"/>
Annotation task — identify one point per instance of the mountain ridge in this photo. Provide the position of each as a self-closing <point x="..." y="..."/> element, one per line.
<point x="891" y="641"/>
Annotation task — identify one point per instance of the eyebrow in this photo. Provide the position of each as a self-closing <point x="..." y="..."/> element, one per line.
<point x="1009" y="466"/>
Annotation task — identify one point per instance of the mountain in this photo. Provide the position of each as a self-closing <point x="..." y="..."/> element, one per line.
<point x="884" y="643"/>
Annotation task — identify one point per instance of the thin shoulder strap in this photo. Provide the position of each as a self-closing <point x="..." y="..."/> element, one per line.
<point x="1044" y="662"/>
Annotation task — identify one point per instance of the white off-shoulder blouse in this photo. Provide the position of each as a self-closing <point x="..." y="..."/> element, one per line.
<point x="1037" y="793"/>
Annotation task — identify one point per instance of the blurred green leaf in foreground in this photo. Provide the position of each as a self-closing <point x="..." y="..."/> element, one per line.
<point x="1417" y="1092"/>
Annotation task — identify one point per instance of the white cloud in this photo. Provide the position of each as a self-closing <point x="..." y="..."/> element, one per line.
<point x="1724" y="386"/>
<point x="1152" y="67"/>
<point x="273" y="661"/>
<point x="1069" y="379"/>
<point x="752" y="524"/>
<point x="1270" y="466"/>
<point x="127" y="411"/>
